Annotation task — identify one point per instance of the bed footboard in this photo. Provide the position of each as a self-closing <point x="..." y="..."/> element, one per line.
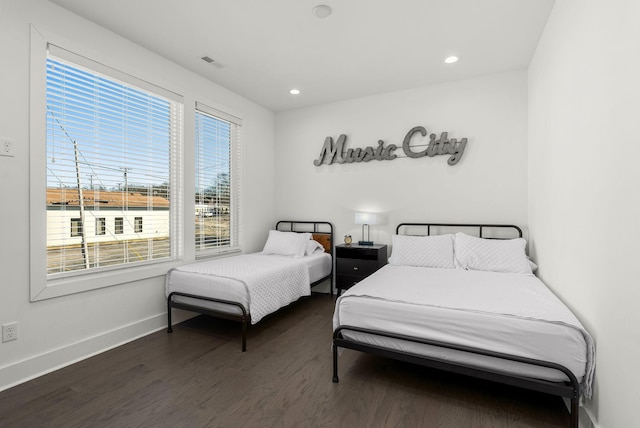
<point x="570" y="389"/>
<point x="245" y="318"/>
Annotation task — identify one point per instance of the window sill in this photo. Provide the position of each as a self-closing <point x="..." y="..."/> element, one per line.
<point x="51" y="288"/>
<point x="214" y="254"/>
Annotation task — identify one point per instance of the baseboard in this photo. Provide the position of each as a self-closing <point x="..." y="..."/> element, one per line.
<point x="323" y="287"/>
<point x="585" y="420"/>
<point x="30" y="368"/>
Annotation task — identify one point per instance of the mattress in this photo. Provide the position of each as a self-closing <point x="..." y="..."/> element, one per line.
<point x="513" y="314"/>
<point x="212" y="279"/>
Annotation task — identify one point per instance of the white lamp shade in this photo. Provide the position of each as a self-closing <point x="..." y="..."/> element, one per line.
<point x="366" y="218"/>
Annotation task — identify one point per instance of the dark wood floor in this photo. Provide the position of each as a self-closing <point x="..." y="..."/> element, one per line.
<point x="197" y="377"/>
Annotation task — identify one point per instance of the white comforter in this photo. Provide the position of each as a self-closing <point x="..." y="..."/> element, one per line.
<point x="271" y="282"/>
<point x="428" y="296"/>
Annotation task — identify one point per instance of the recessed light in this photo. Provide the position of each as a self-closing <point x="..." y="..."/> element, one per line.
<point x="294" y="92"/>
<point x="321" y="11"/>
<point x="451" y="59"/>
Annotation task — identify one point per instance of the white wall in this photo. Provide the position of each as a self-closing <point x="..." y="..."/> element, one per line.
<point x="583" y="115"/>
<point x="487" y="185"/>
<point x="57" y="331"/>
<point x="584" y="123"/>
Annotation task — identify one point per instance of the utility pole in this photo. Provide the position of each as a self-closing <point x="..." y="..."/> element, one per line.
<point x="85" y="249"/>
<point x="125" y="200"/>
<point x="125" y="207"/>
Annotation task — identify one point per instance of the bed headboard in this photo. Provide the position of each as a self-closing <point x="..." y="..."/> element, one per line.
<point x="321" y="231"/>
<point x="490" y="231"/>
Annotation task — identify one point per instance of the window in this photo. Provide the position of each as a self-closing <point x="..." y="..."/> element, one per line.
<point x="217" y="181"/>
<point x="118" y="225"/>
<point x="101" y="226"/>
<point x="112" y="148"/>
<point x="76" y="227"/>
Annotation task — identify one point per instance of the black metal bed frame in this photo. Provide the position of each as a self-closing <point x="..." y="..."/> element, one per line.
<point x="245" y="318"/>
<point x="570" y="389"/>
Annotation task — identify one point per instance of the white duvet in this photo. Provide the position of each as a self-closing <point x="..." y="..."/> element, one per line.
<point x="267" y="283"/>
<point x="510" y="313"/>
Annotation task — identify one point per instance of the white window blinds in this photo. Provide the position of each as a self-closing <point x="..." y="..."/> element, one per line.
<point x="113" y="158"/>
<point x="217" y="192"/>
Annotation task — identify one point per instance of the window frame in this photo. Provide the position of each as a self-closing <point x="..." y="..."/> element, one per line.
<point x="234" y="178"/>
<point x="101" y="226"/>
<point x="41" y="285"/>
<point x="118" y="225"/>
<point x="76" y="227"/>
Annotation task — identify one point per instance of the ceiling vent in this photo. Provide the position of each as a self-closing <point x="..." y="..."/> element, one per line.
<point x="212" y="61"/>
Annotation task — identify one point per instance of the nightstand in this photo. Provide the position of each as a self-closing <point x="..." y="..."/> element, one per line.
<point x="356" y="262"/>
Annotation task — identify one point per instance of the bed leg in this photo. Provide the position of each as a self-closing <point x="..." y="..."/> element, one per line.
<point x="335" y="363"/>
<point x="169" y="326"/>
<point x="574" y="412"/>
<point x="244" y="336"/>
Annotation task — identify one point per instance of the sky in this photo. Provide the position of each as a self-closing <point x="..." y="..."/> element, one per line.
<point x="122" y="134"/>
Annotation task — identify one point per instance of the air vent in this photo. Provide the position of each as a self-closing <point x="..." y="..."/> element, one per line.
<point x="212" y="61"/>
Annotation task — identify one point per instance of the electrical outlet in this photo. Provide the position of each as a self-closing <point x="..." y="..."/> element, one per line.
<point x="7" y="147"/>
<point x="9" y="332"/>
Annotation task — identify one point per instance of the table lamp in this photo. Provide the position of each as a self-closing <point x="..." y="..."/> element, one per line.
<point x="366" y="220"/>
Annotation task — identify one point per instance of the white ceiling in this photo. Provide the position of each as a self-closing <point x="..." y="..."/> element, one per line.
<point x="365" y="47"/>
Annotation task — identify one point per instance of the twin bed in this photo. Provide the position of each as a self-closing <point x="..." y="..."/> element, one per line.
<point x="247" y="287"/>
<point x="458" y="302"/>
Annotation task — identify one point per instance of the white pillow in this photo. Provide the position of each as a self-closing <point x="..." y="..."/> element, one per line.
<point x="425" y="251"/>
<point x="313" y="247"/>
<point x="496" y="255"/>
<point x="286" y="243"/>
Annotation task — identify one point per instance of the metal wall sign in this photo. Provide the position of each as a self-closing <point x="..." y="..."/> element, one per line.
<point x="335" y="152"/>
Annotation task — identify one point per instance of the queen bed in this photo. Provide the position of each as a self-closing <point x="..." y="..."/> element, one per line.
<point x="247" y="287"/>
<point x="469" y="305"/>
